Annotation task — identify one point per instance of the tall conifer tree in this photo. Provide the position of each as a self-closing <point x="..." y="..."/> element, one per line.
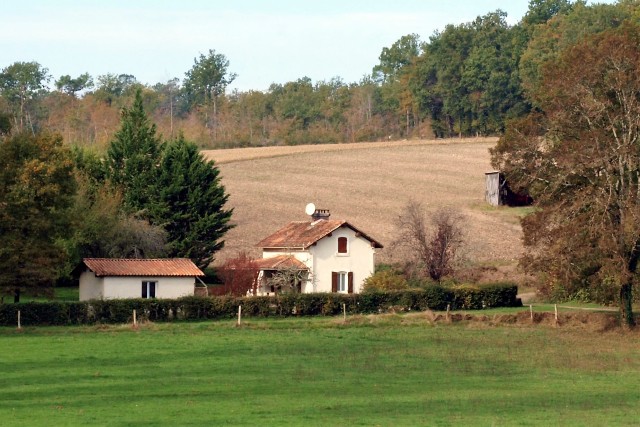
<point x="191" y="203"/>
<point x="133" y="157"/>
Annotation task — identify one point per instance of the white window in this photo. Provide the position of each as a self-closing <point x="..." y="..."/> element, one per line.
<point x="149" y="289"/>
<point x="343" y="282"/>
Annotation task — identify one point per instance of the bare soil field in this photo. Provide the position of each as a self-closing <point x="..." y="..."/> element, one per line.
<point x="366" y="184"/>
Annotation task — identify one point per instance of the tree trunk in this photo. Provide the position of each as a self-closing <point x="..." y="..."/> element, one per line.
<point x="16" y="296"/>
<point x="626" y="309"/>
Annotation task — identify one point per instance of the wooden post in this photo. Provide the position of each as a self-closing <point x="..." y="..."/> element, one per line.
<point x="344" y="312"/>
<point x="556" y="310"/>
<point x="19" y="325"/>
<point x="448" y="309"/>
<point x="531" y="311"/>
<point x="135" y="319"/>
<point x="239" y="315"/>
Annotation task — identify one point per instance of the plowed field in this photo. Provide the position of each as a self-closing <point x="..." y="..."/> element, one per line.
<point x="366" y="184"/>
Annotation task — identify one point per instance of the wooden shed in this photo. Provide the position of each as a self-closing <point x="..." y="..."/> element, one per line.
<point x="494" y="183"/>
<point x="498" y="193"/>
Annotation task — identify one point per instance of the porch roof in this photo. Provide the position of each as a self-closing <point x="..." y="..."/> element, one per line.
<point x="280" y="262"/>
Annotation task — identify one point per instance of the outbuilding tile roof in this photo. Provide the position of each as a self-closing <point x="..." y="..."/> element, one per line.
<point x="302" y="234"/>
<point x="280" y="262"/>
<point x="178" y="267"/>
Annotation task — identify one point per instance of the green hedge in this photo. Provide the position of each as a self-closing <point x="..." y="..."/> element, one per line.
<point x="202" y="308"/>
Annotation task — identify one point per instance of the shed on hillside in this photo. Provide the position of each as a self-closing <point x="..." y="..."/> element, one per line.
<point x="498" y="193"/>
<point x="494" y="183"/>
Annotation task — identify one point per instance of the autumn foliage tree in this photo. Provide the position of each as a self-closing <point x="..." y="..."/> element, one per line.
<point x="36" y="190"/>
<point x="239" y="275"/>
<point x="580" y="160"/>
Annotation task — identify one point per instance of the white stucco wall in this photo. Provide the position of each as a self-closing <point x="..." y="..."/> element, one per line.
<point x="131" y="287"/>
<point x="359" y="260"/>
<point x="91" y="287"/>
<point x="322" y="259"/>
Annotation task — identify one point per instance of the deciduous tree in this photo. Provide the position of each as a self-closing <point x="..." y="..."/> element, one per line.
<point x="580" y="160"/>
<point x="20" y="84"/>
<point x="36" y="190"/>
<point x="432" y="243"/>
<point x="207" y="80"/>
<point x="72" y="86"/>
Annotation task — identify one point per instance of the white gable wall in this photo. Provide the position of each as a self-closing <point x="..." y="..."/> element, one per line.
<point x="131" y="287"/>
<point x="359" y="260"/>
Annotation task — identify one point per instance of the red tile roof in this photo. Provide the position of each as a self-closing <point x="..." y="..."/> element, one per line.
<point x="302" y="234"/>
<point x="280" y="262"/>
<point x="178" y="267"/>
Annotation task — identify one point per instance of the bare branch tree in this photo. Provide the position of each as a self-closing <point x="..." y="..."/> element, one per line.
<point x="288" y="280"/>
<point x="431" y="243"/>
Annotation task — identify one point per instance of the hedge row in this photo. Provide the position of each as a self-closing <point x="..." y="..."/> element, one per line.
<point x="202" y="308"/>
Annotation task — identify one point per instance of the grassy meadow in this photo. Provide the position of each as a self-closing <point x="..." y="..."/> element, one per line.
<point x="374" y="370"/>
<point x="367" y="184"/>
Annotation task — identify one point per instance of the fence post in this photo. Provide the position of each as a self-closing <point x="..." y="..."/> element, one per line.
<point x="135" y="319"/>
<point x="448" y="309"/>
<point x="344" y="312"/>
<point x="19" y="325"/>
<point x="239" y="315"/>
<point x="531" y="311"/>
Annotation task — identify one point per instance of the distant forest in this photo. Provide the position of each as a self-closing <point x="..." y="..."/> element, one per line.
<point x="467" y="80"/>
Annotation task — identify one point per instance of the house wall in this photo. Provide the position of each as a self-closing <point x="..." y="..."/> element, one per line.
<point x="131" y="287"/>
<point x="91" y="287"/>
<point x="359" y="260"/>
<point x="322" y="259"/>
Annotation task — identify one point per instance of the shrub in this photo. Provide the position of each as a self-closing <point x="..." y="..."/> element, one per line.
<point x="385" y="280"/>
<point x="201" y="308"/>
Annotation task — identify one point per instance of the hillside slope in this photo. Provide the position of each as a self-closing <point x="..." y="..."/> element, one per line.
<point x="366" y="184"/>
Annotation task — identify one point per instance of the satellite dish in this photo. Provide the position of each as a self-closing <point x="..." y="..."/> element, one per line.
<point x="310" y="209"/>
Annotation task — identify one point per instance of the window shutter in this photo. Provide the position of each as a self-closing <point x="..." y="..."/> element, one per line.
<point x="350" y="276"/>
<point x="152" y="289"/>
<point x="342" y="245"/>
<point x="334" y="281"/>
<point x="144" y="289"/>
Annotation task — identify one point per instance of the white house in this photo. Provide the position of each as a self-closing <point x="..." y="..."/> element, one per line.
<point x="106" y="278"/>
<point x="328" y="255"/>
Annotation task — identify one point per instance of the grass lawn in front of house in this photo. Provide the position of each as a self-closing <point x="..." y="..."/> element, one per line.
<point x="373" y="370"/>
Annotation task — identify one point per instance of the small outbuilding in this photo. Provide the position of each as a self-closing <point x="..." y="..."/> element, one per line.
<point x="109" y="278"/>
<point x="494" y="188"/>
<point x="498" y="193"/>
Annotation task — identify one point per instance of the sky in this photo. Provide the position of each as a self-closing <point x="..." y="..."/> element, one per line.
<point x="265" y="41"/>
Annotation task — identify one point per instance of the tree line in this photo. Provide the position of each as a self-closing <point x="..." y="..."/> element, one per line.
<point x="465" y="80"/>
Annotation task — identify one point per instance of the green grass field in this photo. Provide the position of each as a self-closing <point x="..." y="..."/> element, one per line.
<point x="384" y="370"/>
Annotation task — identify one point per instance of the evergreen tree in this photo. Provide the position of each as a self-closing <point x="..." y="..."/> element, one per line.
<point x="190" y="203"/>
<point x="171" y="185"/>
<point x="133" y="157"/>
